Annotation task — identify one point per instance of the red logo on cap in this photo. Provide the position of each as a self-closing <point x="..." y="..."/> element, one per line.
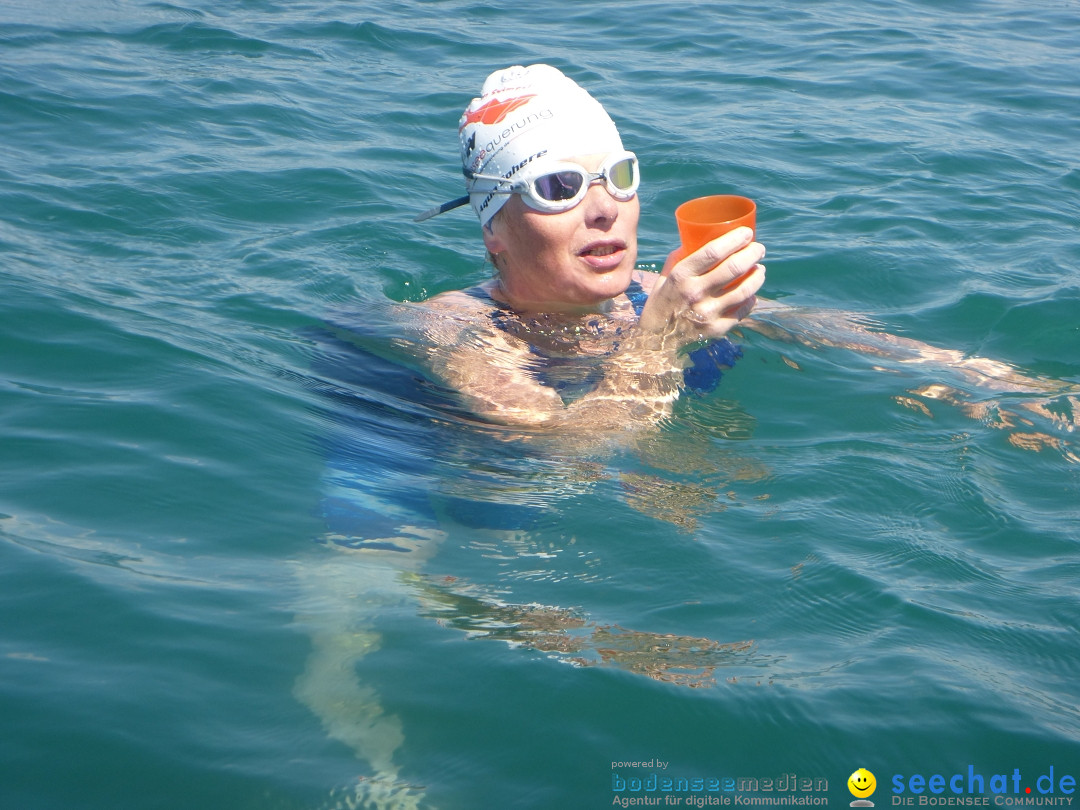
<point x="494" y="111"/>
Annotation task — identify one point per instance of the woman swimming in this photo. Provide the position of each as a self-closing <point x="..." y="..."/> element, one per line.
<point x="570" y="335"/>
<point x="556" y="195"/>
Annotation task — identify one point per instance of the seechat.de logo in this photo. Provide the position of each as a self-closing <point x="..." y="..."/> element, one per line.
<point x="862" y="785"/>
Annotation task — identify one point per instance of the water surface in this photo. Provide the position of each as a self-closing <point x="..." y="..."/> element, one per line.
<point x="835" y="560"/>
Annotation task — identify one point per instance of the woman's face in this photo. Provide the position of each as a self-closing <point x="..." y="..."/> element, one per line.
<point x="570" y="261"/>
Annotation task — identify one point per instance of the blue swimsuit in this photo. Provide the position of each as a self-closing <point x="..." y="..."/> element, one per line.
<point x="574" y="374"/>
<point x="380" y="455"/>
<point x="708" y="362"/>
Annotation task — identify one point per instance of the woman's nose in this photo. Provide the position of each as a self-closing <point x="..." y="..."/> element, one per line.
<point x="600" y="207"/>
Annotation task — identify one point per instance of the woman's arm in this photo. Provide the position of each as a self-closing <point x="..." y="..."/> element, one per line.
<point x="845" y="330"/>
<point x="641" y="379"/>
<point x="493" y="373"/>
<point x="996" y="394"/>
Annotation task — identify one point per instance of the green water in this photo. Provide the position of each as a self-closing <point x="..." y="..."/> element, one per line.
<point x="837" y="559"/>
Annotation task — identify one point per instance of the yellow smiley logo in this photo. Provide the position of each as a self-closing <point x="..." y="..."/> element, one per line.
<point x="861" y="783"/>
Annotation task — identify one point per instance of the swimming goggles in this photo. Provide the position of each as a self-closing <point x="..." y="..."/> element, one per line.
<point x="555" y="187"/>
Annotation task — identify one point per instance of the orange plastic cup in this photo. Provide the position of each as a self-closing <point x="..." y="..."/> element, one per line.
<point x="703" y="219"/>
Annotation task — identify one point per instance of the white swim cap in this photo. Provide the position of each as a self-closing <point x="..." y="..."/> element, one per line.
<point x="525" y="115"/>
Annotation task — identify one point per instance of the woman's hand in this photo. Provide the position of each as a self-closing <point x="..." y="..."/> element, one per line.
<point x="707" y="293"/>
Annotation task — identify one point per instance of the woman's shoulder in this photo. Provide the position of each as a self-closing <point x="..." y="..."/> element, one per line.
<point x="470" y="298"/>
<point x="447" y="315"/>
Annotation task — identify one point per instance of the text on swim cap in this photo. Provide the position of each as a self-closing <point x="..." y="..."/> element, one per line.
<point x="513" y="170"/>
<point x="492" y="145"/>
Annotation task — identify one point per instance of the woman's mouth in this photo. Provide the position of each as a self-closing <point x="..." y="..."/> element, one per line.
<point x="603" y="255"/>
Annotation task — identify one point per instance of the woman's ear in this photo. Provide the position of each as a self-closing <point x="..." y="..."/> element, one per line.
<point x="492" y="241"/>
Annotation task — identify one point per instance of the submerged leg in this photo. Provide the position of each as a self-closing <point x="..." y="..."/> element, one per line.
<point x="343" y="593"/>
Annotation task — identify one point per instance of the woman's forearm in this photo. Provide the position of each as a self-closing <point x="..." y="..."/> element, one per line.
<point x="640" y="384"/>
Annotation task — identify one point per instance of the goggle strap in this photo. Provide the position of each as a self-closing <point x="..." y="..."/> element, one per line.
<point x="442" y="209"/>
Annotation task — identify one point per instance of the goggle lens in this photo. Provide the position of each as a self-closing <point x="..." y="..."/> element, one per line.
<point x="623" y="175"/>
<point x="558" y="186"/>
